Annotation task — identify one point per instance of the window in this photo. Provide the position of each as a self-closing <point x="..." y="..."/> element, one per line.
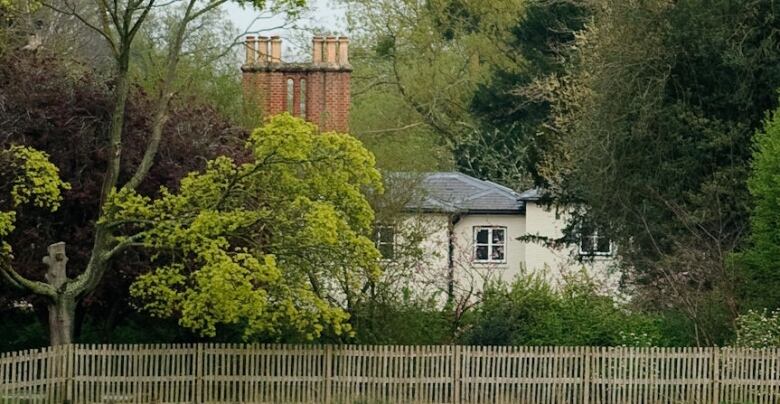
<point x="290" y="95"/>
<point x="489" y="244"/>
<point x="595" y="244"/>
<point x="303" y="98"/>
<point x="384" y="238"/>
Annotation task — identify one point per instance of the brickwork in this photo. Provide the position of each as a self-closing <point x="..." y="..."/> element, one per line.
<point x="325" y="81"/>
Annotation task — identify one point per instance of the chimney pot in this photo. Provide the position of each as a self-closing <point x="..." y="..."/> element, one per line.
<point x="250" y="50"/>
<point x="330" y="43"/>
<point x="262" y="50"/>
<point x="276" y="49"/>
<point x="316" y="50"/>
<point x="344" y="51"/>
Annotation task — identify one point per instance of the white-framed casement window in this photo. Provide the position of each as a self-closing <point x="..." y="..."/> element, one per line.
<point x="384" y="238"/>
<point x="489" y="244"/>
<point x="595" y="244"/>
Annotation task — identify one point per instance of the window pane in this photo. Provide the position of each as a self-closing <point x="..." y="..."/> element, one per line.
<point x="586" y="245"/>
<point x="386" y="234"/>
<point x="498" y="253"/>
<point x="602" y="245"/>
<point x="498" y="236"/>
<point x="482" y="253"/>
<point x="387" y="251"/>
<point x="482" y="236"/>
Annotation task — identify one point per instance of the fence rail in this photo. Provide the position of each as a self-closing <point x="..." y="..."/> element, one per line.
<point x="223" y="373"/>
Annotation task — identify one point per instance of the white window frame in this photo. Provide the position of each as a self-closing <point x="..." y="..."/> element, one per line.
<point x="378" y="239"/>
<point x="594" y="239"/>
<point x="489" y="245"/>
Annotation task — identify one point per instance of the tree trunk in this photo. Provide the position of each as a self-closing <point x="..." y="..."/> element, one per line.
<point x="62" y="308"/>
<point x="61" y="319"/>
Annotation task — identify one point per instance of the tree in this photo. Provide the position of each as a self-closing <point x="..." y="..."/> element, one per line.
<point x="514" y="109"/>
<point x="29" y="178"/>
<point x="651" y="132"/>
<point x="275" y="243"/>
<point x="757" y="265"/>
<point x="62" y="108"/>
<point x="118" y="23"/>
<point x="383" y="120"/>
<point x="417" y="65"/>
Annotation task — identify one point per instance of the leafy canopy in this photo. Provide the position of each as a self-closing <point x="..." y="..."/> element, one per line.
<point x="28" y="177"/>
<point x="268" y="244"/>
<point x="760" y="271"/>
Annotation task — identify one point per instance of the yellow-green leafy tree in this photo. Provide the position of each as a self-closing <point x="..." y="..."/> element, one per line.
<point x="275" y="244"/>
<point x="27" y="177"/>
<point x="117" y="24"/>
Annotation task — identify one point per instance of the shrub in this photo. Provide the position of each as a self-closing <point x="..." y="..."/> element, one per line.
<point x="758" y="329"/>
<point x="531" y="312"/>
<point x="404" y="320"/>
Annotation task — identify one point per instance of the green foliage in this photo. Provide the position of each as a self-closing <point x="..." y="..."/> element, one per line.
<point x="28" y="177"/>
<point x="404" y="321"/>
<point x="207" y="71"/>
<point x="35" y="179"/>
<point x="514" y="107"/>
<point x="758" y="329"/>
<point x="21" y="330"/>
<point x="270" y="243"/>
<point x="651" y="131"/>
<point x="416" y="67"/>
<point x="759" y="267"/>
<point x="383" y="121"/>
<point x="531" y="312"/>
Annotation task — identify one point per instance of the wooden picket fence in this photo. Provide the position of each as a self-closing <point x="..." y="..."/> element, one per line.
<point x="222" y="373"/>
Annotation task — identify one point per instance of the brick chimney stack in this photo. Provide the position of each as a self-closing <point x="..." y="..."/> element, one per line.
<point x="316" y="91"/>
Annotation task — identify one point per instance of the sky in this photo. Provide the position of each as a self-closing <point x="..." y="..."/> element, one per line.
<point x="322" y="13"/>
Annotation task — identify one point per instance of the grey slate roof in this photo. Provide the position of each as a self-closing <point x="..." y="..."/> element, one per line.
<point x="457" y="192"/>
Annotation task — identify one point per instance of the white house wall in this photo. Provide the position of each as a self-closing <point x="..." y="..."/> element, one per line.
<point x="473" y="274"/>
<point x="557" y="263"/>
<point x="436" y="243"/>
<point x="426" y="274"/>
<point x="431" y="273"/>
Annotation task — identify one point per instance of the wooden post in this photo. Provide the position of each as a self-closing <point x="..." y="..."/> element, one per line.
<point x="198" y="373"/>
<point x="586" y="357"/>
<point x="328" y="372"/>
<point x="715" y="375"/>
<point x="455" y="374"/>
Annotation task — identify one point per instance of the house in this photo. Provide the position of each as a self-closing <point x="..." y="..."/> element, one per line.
<point x="473" y="231"/>
<point x="468" y="230"/>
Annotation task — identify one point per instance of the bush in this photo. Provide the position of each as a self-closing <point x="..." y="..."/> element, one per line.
<point x="402" y="321"/>
<point x="758" y="329"/>
<point x="531" y="312"/>
<point x="20" y="329"/>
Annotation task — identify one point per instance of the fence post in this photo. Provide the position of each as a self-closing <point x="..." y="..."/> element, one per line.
<point x="715" y="375"/>
<point x="586" y="377"/>
<point x="328" y="372"/>
<point x="198" y="385"/>
<point x="69" y="358"/>
<point x="455" y="374"/>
